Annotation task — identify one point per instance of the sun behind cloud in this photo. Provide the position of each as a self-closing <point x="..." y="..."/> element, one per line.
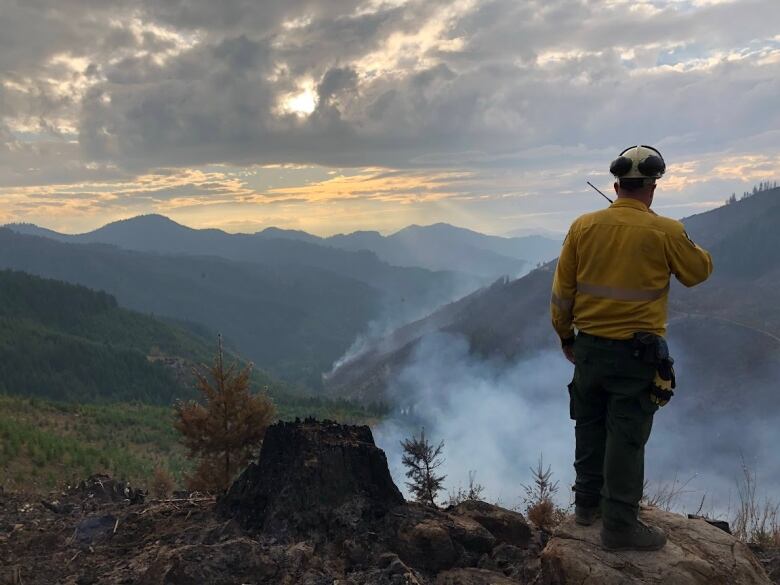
<point x="302" y="103"/>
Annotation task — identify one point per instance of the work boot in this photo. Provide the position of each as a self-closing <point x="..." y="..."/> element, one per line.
<point x="638" y="537"/>
<point x="586" y="515"/>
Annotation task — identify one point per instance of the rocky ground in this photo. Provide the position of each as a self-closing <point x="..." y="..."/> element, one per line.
<point x="320" y="508"/>
<point x="186" y="542"/>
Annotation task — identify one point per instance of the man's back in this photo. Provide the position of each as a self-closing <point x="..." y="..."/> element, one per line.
<point x="612" y="284"/>
<point x="613" y="274"/>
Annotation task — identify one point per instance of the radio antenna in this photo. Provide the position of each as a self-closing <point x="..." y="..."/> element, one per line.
<point x="599" y="191"/>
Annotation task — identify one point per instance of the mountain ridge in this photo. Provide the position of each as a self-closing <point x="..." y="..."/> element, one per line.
<point x="509" y="318"/>
<point x="436" y="247"/>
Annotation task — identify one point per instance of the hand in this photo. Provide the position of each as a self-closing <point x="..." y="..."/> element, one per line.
<point x="568" y="353"/>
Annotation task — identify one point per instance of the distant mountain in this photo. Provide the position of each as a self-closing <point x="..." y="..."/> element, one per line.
<point x="30" y="229"/>
<point x="67" y="342"/>
<point x="273" y="232"/>
<point x="408" y="289"/>
<point x="510" y="318"/>
<point x="438" y="247"/>
<point x="545" y="233"/>
<point x="445" y="247"/>
<point x="291" y="320"/>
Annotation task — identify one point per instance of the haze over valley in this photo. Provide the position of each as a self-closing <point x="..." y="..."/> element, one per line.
<point x="365" y="318"/>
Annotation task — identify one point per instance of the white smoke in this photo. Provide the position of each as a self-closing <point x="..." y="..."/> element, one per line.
<point x="497" y="418"/>
<point x="396" y="313"/>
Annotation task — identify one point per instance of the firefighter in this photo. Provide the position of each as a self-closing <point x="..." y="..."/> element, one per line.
<point x="611" y="287"/>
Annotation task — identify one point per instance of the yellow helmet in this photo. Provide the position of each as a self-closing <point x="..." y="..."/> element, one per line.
<point x="638" y="162"/>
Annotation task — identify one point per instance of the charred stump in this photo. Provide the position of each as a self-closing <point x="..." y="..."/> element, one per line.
<point x="312" y="476"/>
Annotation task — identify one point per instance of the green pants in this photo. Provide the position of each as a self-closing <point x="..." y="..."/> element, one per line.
<point x="610" y="402"/>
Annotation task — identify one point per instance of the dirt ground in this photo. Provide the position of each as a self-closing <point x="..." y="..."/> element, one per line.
<point x="82" y="538"/>
<point x="86" y="541"/>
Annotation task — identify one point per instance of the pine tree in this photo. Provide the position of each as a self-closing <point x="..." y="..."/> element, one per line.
<point x="224" y="432"/>
<point x="421" y="460"/>
<point x="539" y="497"/>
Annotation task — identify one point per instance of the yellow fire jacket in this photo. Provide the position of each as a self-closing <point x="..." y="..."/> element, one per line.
<point x="613" y="273"/>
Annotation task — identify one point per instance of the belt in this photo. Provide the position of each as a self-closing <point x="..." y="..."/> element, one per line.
<point x="605" y="340"/>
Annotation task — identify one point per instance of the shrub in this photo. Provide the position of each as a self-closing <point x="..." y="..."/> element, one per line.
<point x="473" y="493"/>
<point x="756" y="520"/>
<point x="162" y="483"/>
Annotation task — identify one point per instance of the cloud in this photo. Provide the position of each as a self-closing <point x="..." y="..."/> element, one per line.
<point x="526" y="92"/>
<point x="523" y="75"/>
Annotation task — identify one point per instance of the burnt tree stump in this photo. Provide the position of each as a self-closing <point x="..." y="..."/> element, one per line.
<point x="312" y="476"/>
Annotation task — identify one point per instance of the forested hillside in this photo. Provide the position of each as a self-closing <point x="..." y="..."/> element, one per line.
<point x="291" y="320"/>
<point x="87" y="386"/>
<point x="67" y="342"/>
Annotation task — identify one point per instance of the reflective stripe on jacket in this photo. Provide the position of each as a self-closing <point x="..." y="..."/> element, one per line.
<point x="612" y="277"/>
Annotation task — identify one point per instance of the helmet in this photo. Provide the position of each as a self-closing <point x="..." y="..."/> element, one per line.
<point x="638" y="162"/>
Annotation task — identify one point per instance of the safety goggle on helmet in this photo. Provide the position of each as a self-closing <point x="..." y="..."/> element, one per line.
<point x="638" y="162"/>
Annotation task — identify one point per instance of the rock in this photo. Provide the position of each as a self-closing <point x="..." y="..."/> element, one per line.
<point x="312" y="476"/>
<point x="428" y="546"/>
<point x="473" y="577"/>
<point x="512" y="561"/>
<point x="94" y="530"/>
<point x="432" y="540"/>
<point x="697" y="554"/>
<point x="507" y="526"/>
<point x="471" y="535"/>
<point x="235" y="561"/>
<point x="721" y="524"/>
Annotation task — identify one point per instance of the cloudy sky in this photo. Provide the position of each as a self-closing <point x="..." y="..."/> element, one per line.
<point x="336" y="115"/>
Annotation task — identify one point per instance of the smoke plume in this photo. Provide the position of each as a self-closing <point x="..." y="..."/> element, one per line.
<point x="498" y="417"/>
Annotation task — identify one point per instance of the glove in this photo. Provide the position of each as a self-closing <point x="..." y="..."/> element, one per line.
<point x="663" y="383"/>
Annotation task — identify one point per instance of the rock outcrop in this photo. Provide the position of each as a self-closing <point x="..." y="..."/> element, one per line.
<point x="697" y="554"/>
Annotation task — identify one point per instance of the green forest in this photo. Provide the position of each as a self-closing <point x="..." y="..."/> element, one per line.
<point x="87" y="386"/>
<point x="66" y="342"/>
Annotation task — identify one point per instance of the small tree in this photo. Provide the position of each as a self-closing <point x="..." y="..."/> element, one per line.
<point x="539" y="504"/>
<point x="421" y="460"/>
<point x="225" y="432"/>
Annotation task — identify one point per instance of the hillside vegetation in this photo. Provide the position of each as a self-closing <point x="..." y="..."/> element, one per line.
<point x="70" y="343"/>
<point x="293" y="321"/>
<point x="46" y="444"/>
